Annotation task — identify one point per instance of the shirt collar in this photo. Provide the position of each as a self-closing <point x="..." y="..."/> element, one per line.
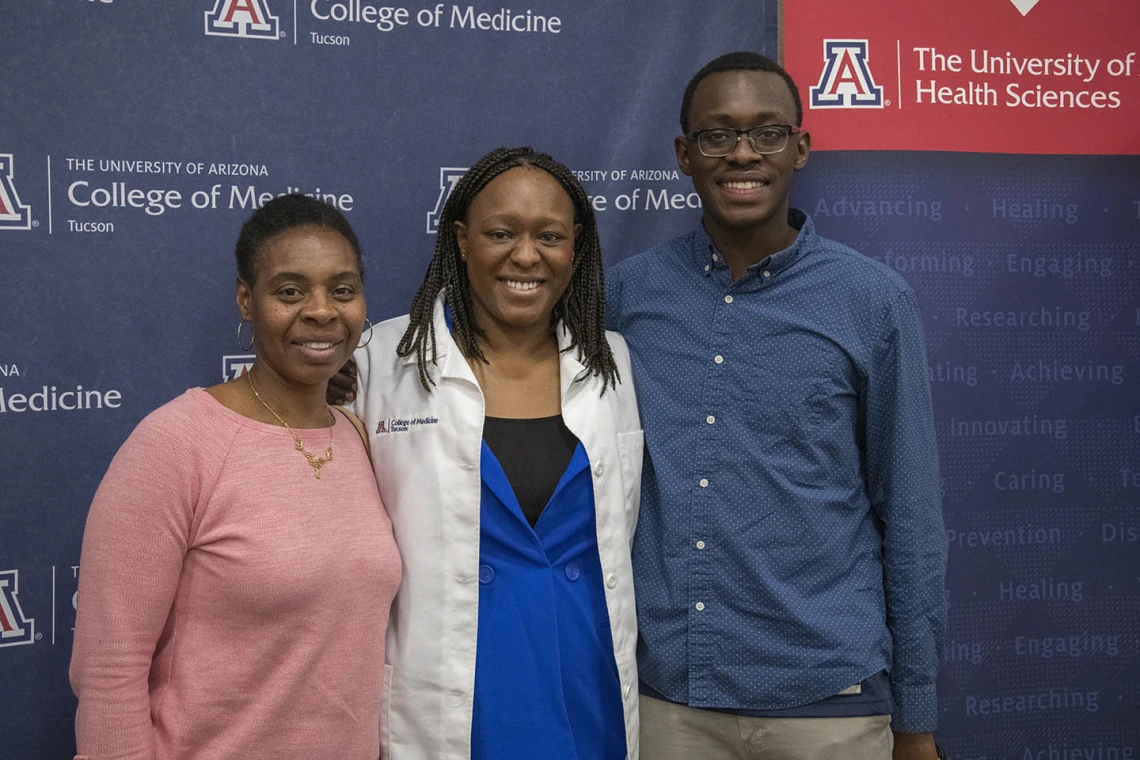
<point x="708" y="258"/>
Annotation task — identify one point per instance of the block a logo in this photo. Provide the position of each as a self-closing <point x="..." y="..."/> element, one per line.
<point x="13" y="214"/>
<point x="448" y="178"/>
<point x="14" y="627"/>
<point x="233" y="367"/>
<point x="846" y="81"/>
<point x="242" y="18"/>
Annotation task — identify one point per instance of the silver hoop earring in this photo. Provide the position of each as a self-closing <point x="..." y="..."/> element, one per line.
<point x="365" y="343"/>
<point x="245" y="322"/>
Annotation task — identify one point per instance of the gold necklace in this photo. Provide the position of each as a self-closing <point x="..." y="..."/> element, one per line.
<point x="315" y="461"/>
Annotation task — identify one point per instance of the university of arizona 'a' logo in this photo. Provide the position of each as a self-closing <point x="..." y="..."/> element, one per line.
<point x="236" y="365"/>
<point x="13" y="214"/>
<point x="14" y="627"/>
<point x="242" y="18"/>
<point x="448" y="178"/>
<point x="846" y="81"/>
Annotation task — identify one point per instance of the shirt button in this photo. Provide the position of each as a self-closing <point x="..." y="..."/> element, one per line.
<point x="714" y="257"/>
<point x="767" y="273"/>
<point x="706" y="267"/>
<point x="599" y="469"/>
<point x="704" y="482"/>
<point x="611" y="582"/>
<point x="700" y="544"/>
<point x="486" y="573"/>
<point x="718" y="359"/>
<point x="728" y="299"/>
<point x="710" y="419"/>
<point x="700" y="606"/>
<point x="572" y="571"/>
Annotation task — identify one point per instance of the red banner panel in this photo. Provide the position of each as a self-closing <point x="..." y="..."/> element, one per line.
<point x="984" y="76"/>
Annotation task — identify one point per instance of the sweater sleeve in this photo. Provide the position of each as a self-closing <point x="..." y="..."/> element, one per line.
<point x="137" y="534"/>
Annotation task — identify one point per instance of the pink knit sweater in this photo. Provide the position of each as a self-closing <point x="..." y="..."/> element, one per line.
<point x="230" y="604"/>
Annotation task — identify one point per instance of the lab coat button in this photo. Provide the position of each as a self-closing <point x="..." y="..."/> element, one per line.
<point x="486" y="573"/>
<point x="599" y="469"/>
<point x="611" y="581"/>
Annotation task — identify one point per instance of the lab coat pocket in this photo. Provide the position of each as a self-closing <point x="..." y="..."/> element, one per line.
<point x="631" y="450"/>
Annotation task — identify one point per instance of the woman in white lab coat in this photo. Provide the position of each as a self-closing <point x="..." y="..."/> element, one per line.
<point x="507" y="447"/>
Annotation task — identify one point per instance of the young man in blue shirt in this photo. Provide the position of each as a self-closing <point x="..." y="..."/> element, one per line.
<point x="790" y="558"/>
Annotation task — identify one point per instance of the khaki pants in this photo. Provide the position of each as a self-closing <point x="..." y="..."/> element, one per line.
<point x="678" y="732"/>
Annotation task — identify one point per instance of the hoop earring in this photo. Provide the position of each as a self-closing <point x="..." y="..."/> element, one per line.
<point x="245" y="321"/>
<point x="365" y="343"/>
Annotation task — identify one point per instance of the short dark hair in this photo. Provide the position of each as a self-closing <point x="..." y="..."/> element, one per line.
<point x="284" y="213"/>
<point x="740" y="61"/>
<point x="581" y="308"/>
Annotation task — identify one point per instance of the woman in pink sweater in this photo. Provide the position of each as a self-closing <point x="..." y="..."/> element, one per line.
<point x="238" y="565"/>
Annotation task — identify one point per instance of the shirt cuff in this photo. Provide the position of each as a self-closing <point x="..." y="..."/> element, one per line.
<point x="915" y="708"/>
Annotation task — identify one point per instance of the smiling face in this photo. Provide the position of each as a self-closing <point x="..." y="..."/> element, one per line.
<point x="518" y="244"/>
<point x="743" y="191"/>
<point x="306" y="304"/>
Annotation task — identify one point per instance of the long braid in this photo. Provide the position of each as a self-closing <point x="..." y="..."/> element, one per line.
<point x="581" y="308"/>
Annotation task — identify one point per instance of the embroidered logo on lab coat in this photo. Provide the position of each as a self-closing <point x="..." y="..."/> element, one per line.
<point x="403" y="424"/>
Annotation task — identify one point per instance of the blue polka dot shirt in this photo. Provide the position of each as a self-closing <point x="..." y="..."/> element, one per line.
<point x="790" y="542"/>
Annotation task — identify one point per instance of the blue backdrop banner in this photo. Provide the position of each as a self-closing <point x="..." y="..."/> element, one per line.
<point x="136" y="137"/>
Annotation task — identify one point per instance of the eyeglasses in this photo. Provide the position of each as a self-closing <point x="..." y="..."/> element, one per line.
<point x="720" y="141"/>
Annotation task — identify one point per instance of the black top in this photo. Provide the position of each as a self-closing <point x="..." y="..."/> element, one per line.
<point x="533" y="454"/>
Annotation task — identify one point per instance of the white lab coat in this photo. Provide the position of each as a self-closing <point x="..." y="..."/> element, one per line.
<point x="426" y="451"/>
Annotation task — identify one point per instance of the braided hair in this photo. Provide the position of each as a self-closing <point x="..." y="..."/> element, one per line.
<point x="581" y="308"/>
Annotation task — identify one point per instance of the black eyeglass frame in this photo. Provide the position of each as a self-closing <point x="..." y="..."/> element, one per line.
<point x="789" y="130"/>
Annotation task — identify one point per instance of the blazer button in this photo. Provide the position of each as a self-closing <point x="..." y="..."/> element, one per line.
<point x="486" y="573"/>
<point x="572" y="571"/>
